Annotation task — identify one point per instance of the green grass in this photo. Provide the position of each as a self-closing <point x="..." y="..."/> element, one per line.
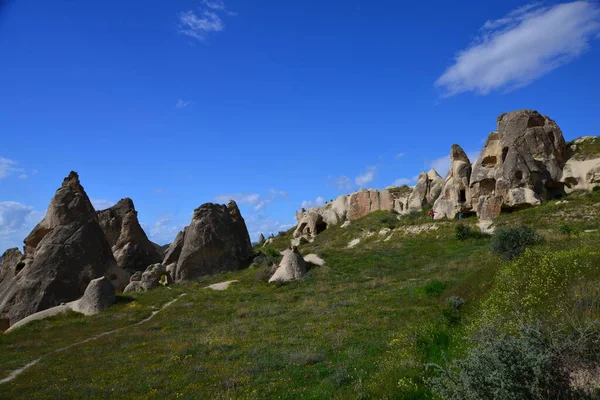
<point x="362" y="326"/>
<point x="586" y="150"/>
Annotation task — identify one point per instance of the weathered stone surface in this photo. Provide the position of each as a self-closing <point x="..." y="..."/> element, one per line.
<point x="261" y="239"/>
<point x="217" y="240"/>
<point x="63" y="254"/>
<point x="454" y="195"/>
<point x="174" y="251"/>
<point x="149" y="279"/>
<point x="12" y="263"/>
<point x="291" y="267"/>
<point x="521" y="163"/>
<point x="310" y="225"/>
<point x="425" y="193"/>
<point x="98" y="296"/>
<point x="130" y="245"/>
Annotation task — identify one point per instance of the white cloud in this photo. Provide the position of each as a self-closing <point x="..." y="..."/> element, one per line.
<point x="23" y="176"/>
<point x="258" y="224"/>
<point x="163" y="231"/>
<point x="182" y="103"/>
<point x="214" y="4"/>
<point x="399" y="155"/>
<point x="442" y="164"/>
<point x="247" y="199"/>
<point x="198" y="26"/>
<point x="13" y="217"/>
<point x="100" y="204"/>
<point x="403" y="181"/>
<point x="341" y="183"/>
<point x="7" y="167"/>
<point x="319" y="201"/>
<point x="367" y="177"/>
<point x="515" y="50"/>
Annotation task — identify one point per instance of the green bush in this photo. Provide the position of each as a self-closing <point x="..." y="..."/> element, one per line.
<point x="389" y="221"/>
<point x="435" y="288"/>
<point x="596" y="188"/>
<point x="566" y="229"/>
<point x="509" y="242"/>
<point x="527" y="365"/>
<point x="464" y="232"/>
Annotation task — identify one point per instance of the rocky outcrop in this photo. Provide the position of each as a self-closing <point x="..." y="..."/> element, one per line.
<point x="454" y="195"/>
<point x="519" y="165"/>
<point x="582" y="169"/>
<point x="261" y="240"/>
<point x="311" y="224"/>
<point x="129" y="243"/>
<point x="150" y="279"/>
<point x="63" y="254"/>
<point x="425" y="193"/>
<point x="98" y="296"/>
<point x="216" y="241"/>
<point x="291" y="267"/>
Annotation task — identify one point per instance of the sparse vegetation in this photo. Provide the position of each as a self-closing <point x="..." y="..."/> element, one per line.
<point x="510" y="242"/>
<point x="464" y="232"/>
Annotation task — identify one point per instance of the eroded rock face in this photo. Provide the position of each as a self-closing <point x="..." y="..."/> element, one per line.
<point x="310" y="225"/>
<point x="217" y="240"/>
<point x="291" y="267"/>
<point x="582" y="170"/>
<point x="149" y="279"/>
<point x="455" y="193"/>
<point x="520" y="164"/>
<point x="425" y="193"/>
<point x="98" y="296"/>
<point x="129" y="243"/>
<point x="174" y="251"/>
<point x="63" y="254"/>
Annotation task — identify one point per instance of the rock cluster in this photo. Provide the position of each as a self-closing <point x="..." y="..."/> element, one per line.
<point x="151" y="278"/>
<point x="216" y="240"/>
<point x="63" y="254"/>
<point x="129" y="243"/>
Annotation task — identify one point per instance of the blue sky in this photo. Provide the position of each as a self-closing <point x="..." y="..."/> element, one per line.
<point x="272" y="103"/>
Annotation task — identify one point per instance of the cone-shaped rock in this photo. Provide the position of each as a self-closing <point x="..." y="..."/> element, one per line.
<point x="130" y="245"/>
<point x="216" y="240"/>
<point x="456" y="187"/>
<point x="291" y="267"/>
<point x="63" y="253"/>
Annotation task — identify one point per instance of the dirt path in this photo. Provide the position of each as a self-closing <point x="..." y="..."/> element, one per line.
<point x="19" y="371"/>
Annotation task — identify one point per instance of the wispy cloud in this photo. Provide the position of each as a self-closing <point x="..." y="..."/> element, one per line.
<point x="399" y="155"/>
<point x="515" y="50"/>
<point x="207" y="20"/>
<point x="8" y="167"/>
<point x="367" y="177"/>
<point x="319" y="201"/>
<point x="403" y="181"/>
<point x="182" y="103"/>
<point x="100" y="204"/>
<point x="442" y="164"/>
<point x="13" y="217"/>
<point x="258" y="224"/>
<point x="23" y="176"/>
<point x="247" y="199"/>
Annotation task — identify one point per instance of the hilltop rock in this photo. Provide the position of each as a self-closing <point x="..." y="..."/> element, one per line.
<point x="425" y="193"/>
<point x="217" y="240"/>
<point x="454" y="195"/>
<point x="291" y="267"/>
<point x="63" y="254"/>
<point x="130" y="245"/>
<point x="582" y="170"/>
<point x="310" y="225"/>
<point x="149" y="279"/>
<point x="261" y="240"/>
<point x="519" y="165"/>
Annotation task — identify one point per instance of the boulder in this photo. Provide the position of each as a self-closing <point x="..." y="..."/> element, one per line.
<point x="520" y="165"/>
<point x="98" y="296"/>
<point x="291" y="267"/>
<point x="310" y="225"/>
<point x="149" y="279"/>
<point x="129" y="243"/>
<point x="217" y="240"/>
<point x="454" y="195"/>
<point x="63" y="254"/>
<point x="174" y="251"/>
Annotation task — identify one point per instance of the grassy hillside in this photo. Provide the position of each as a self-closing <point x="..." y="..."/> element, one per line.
<point x="363" y="326"/>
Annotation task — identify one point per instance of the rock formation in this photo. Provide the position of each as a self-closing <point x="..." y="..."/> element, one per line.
<point x="582" y="170"/>
<point x="63" y="254"/>
<point x="98" y="296"/>
<point x="149" y="279"/>
<point x="519" y="165"/>
<point x="425" y="193"/>
<point x="130" y="245"/>
<point x="291" y="267"/>
<point x="216" y="240"/>
<point x="261" y="240"/>
<point x="455" y="193"/>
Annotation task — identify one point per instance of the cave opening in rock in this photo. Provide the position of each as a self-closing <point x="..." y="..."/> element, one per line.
<point x="487" y="186"/>
<point x="19" y="267"/>
<point x="320" y="226"/>
<point x="489" y="161"/>
<point x="518" y="175"/>
<point x="504" y="153"/>
<point x="462" y="195"/>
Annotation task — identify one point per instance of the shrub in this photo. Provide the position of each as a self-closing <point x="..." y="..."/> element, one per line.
<point x="464" y="232"/>
<point x="596" y="188"/>
<point x="566" y="229"/>
<point x="434" y="288"/>
<point x="389" y="221"/>
<point x="502" y="366"/>
<point x="509" y="242"/>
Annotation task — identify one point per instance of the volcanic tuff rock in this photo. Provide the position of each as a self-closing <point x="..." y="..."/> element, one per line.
<point x="582" y="170"/>
<point x="149" y="279"/>
<point x="291" y="267"/>
<point x="98" y="296"/>
<point x="429" y="186"/>
<point x="455" y="193"/>
<point x="130" y="245"/>
<point x="63" y="253"/>
<point x="216" y="240"/>
<point x="519" y="165"/>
